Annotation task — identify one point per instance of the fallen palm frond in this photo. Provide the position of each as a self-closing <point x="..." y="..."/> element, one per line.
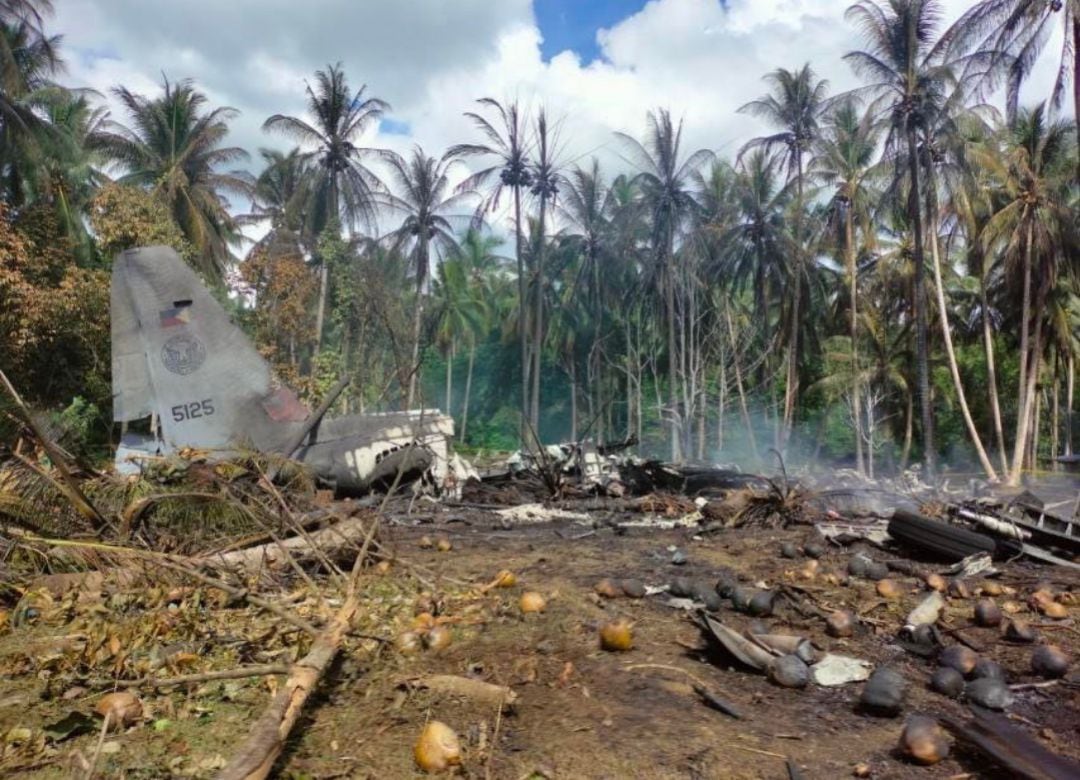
<point x="65" y="481"/>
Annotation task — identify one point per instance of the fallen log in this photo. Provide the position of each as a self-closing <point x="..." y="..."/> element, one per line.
<point x="332" y="538"/>
<point x="256" y="757"/>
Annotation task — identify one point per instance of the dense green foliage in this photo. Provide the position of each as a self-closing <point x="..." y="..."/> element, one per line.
<point x="886" y="275"/>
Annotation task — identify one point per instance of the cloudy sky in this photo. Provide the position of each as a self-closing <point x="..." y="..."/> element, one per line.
<point x="598" y="65"/>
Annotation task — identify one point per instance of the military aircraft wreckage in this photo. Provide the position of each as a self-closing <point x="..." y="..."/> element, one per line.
<point x="179" y="360"/>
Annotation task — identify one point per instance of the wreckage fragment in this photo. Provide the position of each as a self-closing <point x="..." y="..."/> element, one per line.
<point x="1011" y="747"/>
<point x="739" y="647"/>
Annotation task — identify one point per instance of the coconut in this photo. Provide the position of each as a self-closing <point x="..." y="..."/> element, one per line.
<point x="635" y="589"/>
<point x="438" y="638"/>
<point x="987" y="614"/>
<point x="1055" y="610"/>
<point x="985" y="668"/>
<point x="681" y="587"/>
<point x="122" y="709"/>
<point x="936" y="582"/>
<point x="724" y="586"/>
<point x="444" y="544"/>
<point x="889" y="589"/>
<point x="423" y="622"/>
<point x="960" y="658"/>
<point x="840" y="623"/>
<point x="505" y="579"/>
<point x="617" y="636"/>
<point x="858" y="565"/>
<point x="706" y="595"/>
<point x="809" y="570"/>
<point x="988" y="692"/>
<point x="425" y="543"/>
<point x="438" y="748"/>
<point x="884" y="692"/>
<point x="761" y="604"/>
<point x="958" y="589"/>
<point x="877" y="571"/>
<point x="789" y="550"/>
<point x="923" y="740"/>
<point x="531" y="601"/>
<point x="789" y="671"/>
<point x="948" y="682"/>
<point x="1019" y="631"/>
<point x="813" y="550"/>
<point x="1049" y="661"/>
<point x="740" y="598"/>
<point x="609" y="589"/>
<point x="1042" y="595"/>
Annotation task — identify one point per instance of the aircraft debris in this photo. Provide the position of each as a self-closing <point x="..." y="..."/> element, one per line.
<point x="181" y="363"/>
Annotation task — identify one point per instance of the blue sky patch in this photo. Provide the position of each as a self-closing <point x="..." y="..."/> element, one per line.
<point x="573" y="24"/>
<point x="391" y="126"/>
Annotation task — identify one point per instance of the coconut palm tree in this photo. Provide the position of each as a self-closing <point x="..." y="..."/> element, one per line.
<point x="1014" y="33"/>
<point x="70" y="165"/>
<point x="173" y="148"/>
<point x="587" y="207"/>
<point x="28" y="62"/>
<point x="754" y="245"/>
<point x="344" y="188"/>
<point x="909" y="78"/>
<point x="460" y="314"/>
<point x="1033" y="230"/>
<point x="844" y="160"/>
<point x="422" y="194"/>
<point x="664" y="182"/>
<point x="475" y="253"/>
<point x="544" y="188"/>
<point x="794" y="108"/>
<point x="506" y="140"/>
<point x="281" y="195"/>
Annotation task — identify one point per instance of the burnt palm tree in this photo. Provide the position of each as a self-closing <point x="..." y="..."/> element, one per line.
<point x="793" y="108"/>
<point x="344" y="188"/>
<point x="506" y="140"/>
<point x="173" y="147"/>
<point x="423" y="195"/>
<point x="664" y="181"/>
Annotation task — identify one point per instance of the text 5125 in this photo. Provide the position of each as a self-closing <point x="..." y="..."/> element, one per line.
<point x="192" y="410"/>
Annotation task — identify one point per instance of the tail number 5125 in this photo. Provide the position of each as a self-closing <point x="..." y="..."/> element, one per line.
<point x="192" y="410"/>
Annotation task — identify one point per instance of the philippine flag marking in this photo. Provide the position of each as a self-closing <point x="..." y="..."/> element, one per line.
<point x="180" y="315"/>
